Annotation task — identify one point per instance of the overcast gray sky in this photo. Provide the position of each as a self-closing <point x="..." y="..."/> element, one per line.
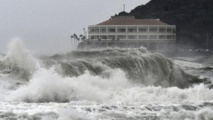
<point x="45" y="26"/>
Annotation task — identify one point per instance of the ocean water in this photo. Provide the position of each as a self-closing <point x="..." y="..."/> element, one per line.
<point x="108" y="84"/>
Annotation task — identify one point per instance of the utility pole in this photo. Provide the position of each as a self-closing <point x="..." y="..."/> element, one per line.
<point x="71" y="41"/>
<point x="84" y="32"/>
<point x="124" y="7"/>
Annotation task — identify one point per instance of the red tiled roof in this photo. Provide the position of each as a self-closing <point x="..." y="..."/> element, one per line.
<point x="130" y="20"/>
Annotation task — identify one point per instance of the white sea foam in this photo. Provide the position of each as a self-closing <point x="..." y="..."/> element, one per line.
<point x="48" y="86"/>
<point x="205" y="114"/>
<point x="92" y="96"/>
<point x="67" y="114"/>
<point x="70" y="112"/>
<point x="19" y="56"/>
<point x="4" y="86"/>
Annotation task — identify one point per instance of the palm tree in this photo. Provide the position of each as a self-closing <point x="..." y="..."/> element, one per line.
<point x="72" y="45"/>
<point x="82" y="37"/>
<point x="75" y="37"/>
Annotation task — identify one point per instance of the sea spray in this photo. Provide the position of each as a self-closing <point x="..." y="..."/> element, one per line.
<point x="103" y="84"/>
<point x="4" y="86"/>
<point x="98" y="79"/>
<point x="139" y="65"/>
<point x="141" y="68"/>
<point x="47" y="85"/>
<point x="205" y="114"/>
<point x="18" y="60"/>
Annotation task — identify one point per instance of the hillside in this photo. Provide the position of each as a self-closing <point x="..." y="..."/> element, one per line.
<point x="193" y="18"/>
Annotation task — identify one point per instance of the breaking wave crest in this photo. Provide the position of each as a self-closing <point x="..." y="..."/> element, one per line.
<point x="101" y="84"/>
<point x="125" y="75"/>
<point x="49" y="86"/>
<point x="139" y="66"/>
<point x="18" y="61"/>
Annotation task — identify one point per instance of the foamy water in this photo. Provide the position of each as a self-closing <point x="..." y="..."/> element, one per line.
<point x="107" y="90"/>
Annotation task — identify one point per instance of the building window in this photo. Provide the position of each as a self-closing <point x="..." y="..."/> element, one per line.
<point x="132" y="29"/>
<point x="153" y="37"/>
<point x="121" y="37"/>
<point x="162" y="37"/>
<point x="162" y="30"/>
<point x="169" y="30"/>
<point x="153" y="29"/>
<point x="91" y="30"/>
<point x="121" y="30"/>
<point x="103" y="30"/>
<point x="103" y="37"/>
<point x="131" y="37"/>
<point x="169" y="37"/>
<point x="112" y="30"/>
<point x="111" y="37"/>
<point x="143" y="37"/>
<point x="142" y="29"/>
<point x="94" y="37"/>
<point x="94" y="30"/>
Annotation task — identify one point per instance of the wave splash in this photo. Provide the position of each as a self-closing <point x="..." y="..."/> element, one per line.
<point x="112" y="75"/>
<point x="49" y="86"/>
<point x="101" y="84"/>
<point x="144" y="68"/>
<point x="18" y="60"/>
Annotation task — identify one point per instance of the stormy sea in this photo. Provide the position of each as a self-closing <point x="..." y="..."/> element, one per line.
<point x="106" y="84"/>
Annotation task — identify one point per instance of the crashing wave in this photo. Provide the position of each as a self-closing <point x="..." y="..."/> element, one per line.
<point x="103" y="73"/>
<point x="18" y="61"/>
<point x="140" y="66"/>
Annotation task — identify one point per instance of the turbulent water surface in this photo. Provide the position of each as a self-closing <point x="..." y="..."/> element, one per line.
<point x="109" y="84"/>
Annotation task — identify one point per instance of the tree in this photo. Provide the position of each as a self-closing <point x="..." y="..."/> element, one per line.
<point x="75" y="37"/>
<point x="82" y="37"/>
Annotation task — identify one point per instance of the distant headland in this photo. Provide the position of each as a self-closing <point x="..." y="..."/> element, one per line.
<point x="193" y="19"/>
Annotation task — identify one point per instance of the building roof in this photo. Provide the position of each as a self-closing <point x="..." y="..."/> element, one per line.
<point x="130" y="20"/>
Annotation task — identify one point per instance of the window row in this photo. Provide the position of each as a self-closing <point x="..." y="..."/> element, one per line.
<point x="132" y="37"/>
<point x="132" y="29"/>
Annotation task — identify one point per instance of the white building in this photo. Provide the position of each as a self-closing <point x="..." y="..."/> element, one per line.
<point x="126" y="31"/>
